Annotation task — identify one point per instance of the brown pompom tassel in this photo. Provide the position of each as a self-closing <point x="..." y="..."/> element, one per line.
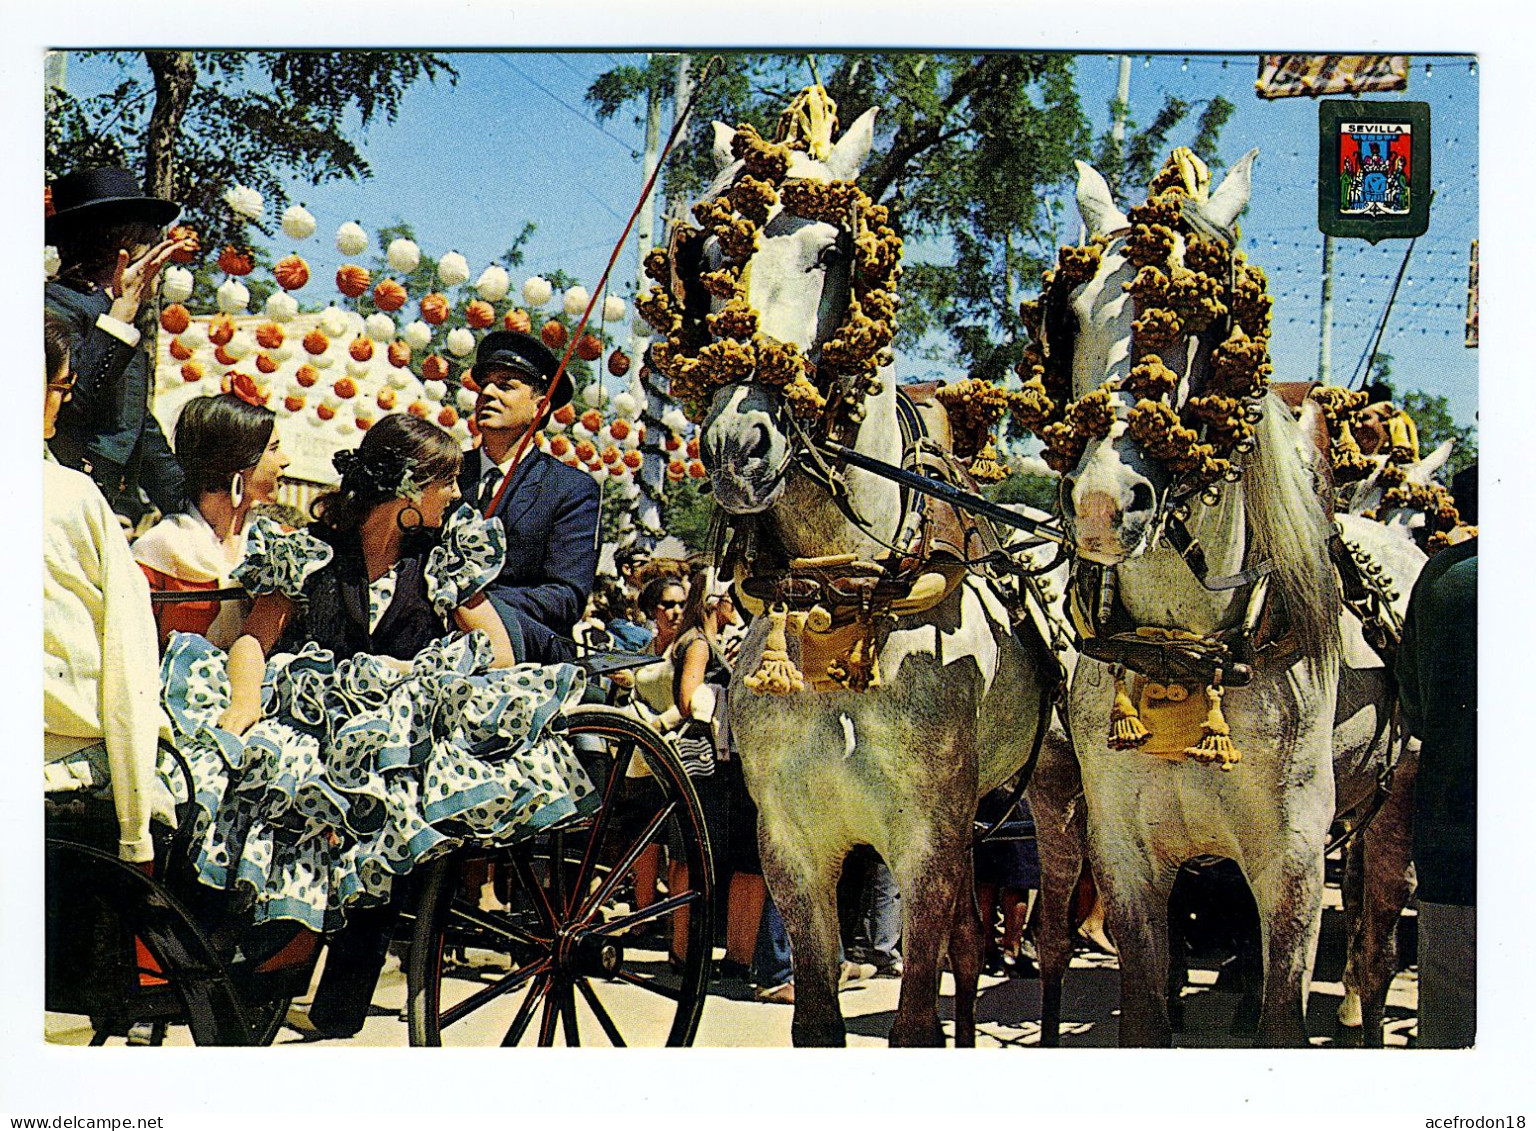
<point x="777" y="674"/>
<point x="859" y="670"/>
<point x="1125" y="729"/>
<point x="1216" y="745"/>
<point x="985" y="468"/>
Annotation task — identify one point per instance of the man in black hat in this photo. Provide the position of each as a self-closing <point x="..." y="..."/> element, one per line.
<point x="111" y="245"/>
<point x="550" y="510"/>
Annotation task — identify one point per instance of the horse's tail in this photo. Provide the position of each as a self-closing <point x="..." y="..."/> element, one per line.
<point x="1290" y="530"/>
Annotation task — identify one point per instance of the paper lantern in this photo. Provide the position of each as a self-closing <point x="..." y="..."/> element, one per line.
<point x="175" y="319"/>
<point x="448" y="417"/>
<point x="291" y="272"/>
<point x="352" y="279"/>
<point x="351" y="239"/>
<point x="693" y="447"/>
<point x="452" y="270"/>
<point x="420" y="409"/>
<point x="696" y="470"/>
<point x="175" y="283"/>
<point x="240" y="345"/>
<point x="633" y="460"/>
<point x="266" y="363"/>
<point x="418" y="335"/>
<point x="591" y="420"/>
<point x="399" y="353"/>
<point x="306" y="376"/>
<point x="379" y="327"/>
<point x="586" y="451"/>
<point x="461" y="343"/>
<point x="298" y="224"/>
<point x="403" y="255"/>
<point x="281" y="307"/>
<point x="565" y="414"/>
<point x="619" y="429"/>
<point x="434" y="308"/>
<point x="236" y="260"/>
<point x="576" y="300"/>
<point x="334" y="321"/>
<point x="191" y="246"/>
<point x="315" y="342"/>
<point x="269" y="335"/>
<point x="589" y="347"/>
<point x="220" y="330"/>
<point x="389" y="295"/>
<point x="614" y="308"/>
<point x="386" y="399"/>
<point x="293" y="402"/>
<point x="559" y="446"/>
<point x="345" y="388"/>
<point x="245" y="202"/>
<point x="554" y="334"/>
<point x="233" y="297"/>
<point x="537" y="291"/>
<point x="434" y="368"/>
<point x="517" y="320"/>
<point x="493" y="284"/>
<point x="361" y="349"/>
<point x="677" y="470"/>
<point x="618" y="363"/>
<point x="434" y="390"/>
<point x="191" y="371"/>
<point x="480" y="315"/>
<point x="179" y="350"/>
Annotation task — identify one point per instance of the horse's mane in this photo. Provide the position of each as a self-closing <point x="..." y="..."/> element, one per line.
<point x="1290" y="530"/>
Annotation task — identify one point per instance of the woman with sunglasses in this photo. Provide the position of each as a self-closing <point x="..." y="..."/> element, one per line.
<point x="101" y="697"/>
<point x="229" y="451"/>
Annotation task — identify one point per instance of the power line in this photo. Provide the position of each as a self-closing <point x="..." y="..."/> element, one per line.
<point x="540" y="86"/>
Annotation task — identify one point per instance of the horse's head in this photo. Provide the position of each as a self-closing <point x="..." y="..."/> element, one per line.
<point x="784" y="295"/>
<point x="1114" y="497"/>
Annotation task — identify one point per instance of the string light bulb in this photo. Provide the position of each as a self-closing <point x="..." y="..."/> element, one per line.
<point x="1429" y="70"/>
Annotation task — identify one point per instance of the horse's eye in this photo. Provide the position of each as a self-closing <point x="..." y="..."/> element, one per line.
<point x="828" y="258"/>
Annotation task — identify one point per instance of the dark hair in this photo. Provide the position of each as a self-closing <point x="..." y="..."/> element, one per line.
<point x="650" y="596"/>
<point x="88" y="250"/>
<point x="626" y="556"/>
<point x="217" y="437"/>
<point x="693" y="609"/>
<point x="397" y="444"/>
<point x="610" y="601"/>
<point x="1464" y="491"/>
<point x="55" y="344"/>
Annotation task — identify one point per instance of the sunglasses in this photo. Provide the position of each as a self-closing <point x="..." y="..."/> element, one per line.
<point x="670" y="604"/>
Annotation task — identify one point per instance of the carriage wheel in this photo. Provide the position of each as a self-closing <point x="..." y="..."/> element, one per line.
<point x="570" y="961"/>
<point x="153" y="966"/>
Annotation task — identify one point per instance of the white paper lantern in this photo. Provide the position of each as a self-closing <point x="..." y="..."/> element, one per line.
<point x="244" y="202"/>
<point x="403" y="255"/>
<point x="51" y="263"/>
<point x="418" y="335"/>
<point x="233" y="296"/>
<point x="357" y="368"/>
<point x="614" y="308"/>
<point x="175" y="283"/>
<point x="493" y="284"/>
<point x="298" y="223"/>
<point x="333" y="320"/>
<point x="351" y="239"/>
<point x="240" y="345"/>
<point x="625" y="406"/>
<point x="399" y="378"/>
<point x="435" y="390"/>
<point x="594" y="395"/>
<point x="461" y="342"/>
<point x="576" y="300"/>
<point x="537" y="291"/>
<point x="380" y="327"/>
<point x="282" y="351"/>
<point x="466" y="400"/>
<point x="641" y="329"/>
<point x="324" y="360"/>
<point x="674" y="420"/>
<point x="452" y="269"/>
<point x="281" y="306"/>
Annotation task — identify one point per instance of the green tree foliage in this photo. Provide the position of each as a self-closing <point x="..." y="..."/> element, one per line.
<point x="195" y="123"/>
<point x="1432" y="414"/>
<point x="1129" y="166"/>
<point x="688" y="510"/>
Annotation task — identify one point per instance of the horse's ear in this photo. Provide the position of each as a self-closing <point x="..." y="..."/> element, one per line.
<point x="1423" y="471"/>
<point x="1228" y="201"/>
<point x="1095" y="202"/>
<point x="852" y="149"/>
<point x="724" y="135"/>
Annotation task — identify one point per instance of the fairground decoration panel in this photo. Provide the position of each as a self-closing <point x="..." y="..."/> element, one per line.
<point x="1373" y="169"/>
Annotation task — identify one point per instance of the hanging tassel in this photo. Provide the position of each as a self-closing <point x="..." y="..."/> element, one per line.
<point x="859" y="670"/>
<point x="1216" y="745"/>
<point x="1125" y="729"/>
<point x="985" y="468"/>
<point x="777" y="674"/>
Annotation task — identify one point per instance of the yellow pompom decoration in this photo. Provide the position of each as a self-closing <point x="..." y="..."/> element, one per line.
<point x="1216" y="745"/>
<point x="777" y="674"/>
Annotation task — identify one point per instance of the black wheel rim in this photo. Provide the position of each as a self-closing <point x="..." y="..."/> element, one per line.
<point x="570" y="961"/>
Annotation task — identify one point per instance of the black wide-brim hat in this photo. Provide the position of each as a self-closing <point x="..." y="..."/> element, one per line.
<point x="526" y="354"/>
<point x="108" y="195"/>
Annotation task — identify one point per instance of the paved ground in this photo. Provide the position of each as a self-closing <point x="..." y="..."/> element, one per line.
<point x="1007" y="1012"/>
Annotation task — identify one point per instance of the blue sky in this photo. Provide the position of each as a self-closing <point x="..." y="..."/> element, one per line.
<point x="513" y="141"/>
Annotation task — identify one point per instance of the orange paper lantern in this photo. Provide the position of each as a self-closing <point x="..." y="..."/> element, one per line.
<point x="386" y="399"/>
<point x="265" y="363"/>
<point x="479" y="314"/>
<point x="293" y="402"/>
<point x="434" y="309"/>
<point x="352" y="279"/>
<point x="220" y="330"/>
<point x="345" y="388"/>
<point x="306" y="375"/>
<point x="315" y="342"/>
<point x="192" y="246"/>
<point x="175" y="319"/>
<point x="589" y="347"/>
<point x="191" y="371"/>
<point x="517" y="319"/>
<point x="325" y="411"/>
<point x="565" y="414"/>
<point x="618" y="363"/>
<point x="554" y="334"/>
<point x="179" y="351"/>
<point x="269" y="335"/>
<point x="399" y="353"/>
<point x="236" y="261"/>
<point x="361" y="349"/>
<point x="389" y="295"/>
<point x="291" y="272"/>
<point x="448" y="417"/>
<point x="434" y="368"/>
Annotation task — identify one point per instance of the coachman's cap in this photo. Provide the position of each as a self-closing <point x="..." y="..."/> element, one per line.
<point x="103" y="196"/>
<point x="526" y="354"/>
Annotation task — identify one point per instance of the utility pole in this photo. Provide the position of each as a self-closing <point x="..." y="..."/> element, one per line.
<point x="1121" y="109"/>
<point x="1325" y="316"/>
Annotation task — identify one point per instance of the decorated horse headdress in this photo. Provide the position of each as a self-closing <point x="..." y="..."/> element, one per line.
<point x="705" y="348"/>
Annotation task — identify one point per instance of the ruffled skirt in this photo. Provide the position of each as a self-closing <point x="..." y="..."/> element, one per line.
<point x="357" y="771"/>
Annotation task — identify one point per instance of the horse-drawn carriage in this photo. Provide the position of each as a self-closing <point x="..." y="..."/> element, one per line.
<point x="562" y="956"/>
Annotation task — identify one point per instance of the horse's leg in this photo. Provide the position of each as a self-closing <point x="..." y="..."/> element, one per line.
<point x="937" y="871"/>
<point x="1061" y="837"/>
<point x="1288" y="888"/>
<point x="1135" y="892"/>
<point x="1352" y="892"/>
<point x="1388" y="851"/>
<point x="803" y="883"/>
<point x="965" y="946"/>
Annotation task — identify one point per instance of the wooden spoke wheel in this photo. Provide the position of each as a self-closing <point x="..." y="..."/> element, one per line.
<point x="124" y="951"/>
<point x="564" y="956"/>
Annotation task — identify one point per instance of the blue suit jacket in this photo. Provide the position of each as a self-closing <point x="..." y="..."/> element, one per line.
<point x="550" y="512"/>
<point x="107" y="428"/>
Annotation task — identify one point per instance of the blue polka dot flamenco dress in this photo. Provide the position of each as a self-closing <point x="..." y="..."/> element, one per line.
<point x="386" y="738"/>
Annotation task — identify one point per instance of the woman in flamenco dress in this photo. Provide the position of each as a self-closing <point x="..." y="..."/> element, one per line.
<point x="370" y="716"/>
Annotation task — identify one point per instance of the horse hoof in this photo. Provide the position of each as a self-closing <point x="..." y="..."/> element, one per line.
<point x="1350" y="1014"/>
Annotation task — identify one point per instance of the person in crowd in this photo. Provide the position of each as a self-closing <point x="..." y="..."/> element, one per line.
<point x="1437" y="682"/>
<point x="101" y="699"/>
<point x="229" y="449"/>
<point x="1007" y="871"/>
<point x="631" y="561"/>
<point x="111" y="243"/>
<point x="616" y="608"/>
<point x="728" y="627"/>
<point x="550" y="511"/>
<point x="390" y="685"/>
<point x="871" y="912"/>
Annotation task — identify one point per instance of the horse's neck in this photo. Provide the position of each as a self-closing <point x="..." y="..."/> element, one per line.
<point x="1159" y="589"/>
<point x="810" y="524"/>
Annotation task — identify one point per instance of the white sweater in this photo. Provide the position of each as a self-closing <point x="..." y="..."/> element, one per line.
<point x="101" y="668"/>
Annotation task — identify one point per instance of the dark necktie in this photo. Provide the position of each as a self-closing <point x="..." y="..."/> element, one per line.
<point x="488" y="484"/>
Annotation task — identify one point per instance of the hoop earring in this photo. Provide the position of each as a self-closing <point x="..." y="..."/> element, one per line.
<point x="236" y="491"/>
<point x="407" y="527"/>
